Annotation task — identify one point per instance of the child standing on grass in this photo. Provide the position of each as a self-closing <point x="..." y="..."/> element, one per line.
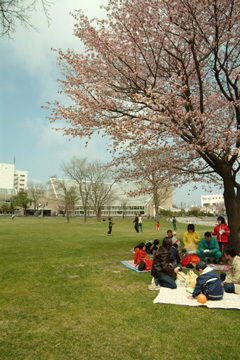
<point x="157" y="226"/>
<point x="110" y="225"/>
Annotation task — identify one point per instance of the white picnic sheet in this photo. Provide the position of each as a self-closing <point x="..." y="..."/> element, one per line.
<point x="179" y="296"/>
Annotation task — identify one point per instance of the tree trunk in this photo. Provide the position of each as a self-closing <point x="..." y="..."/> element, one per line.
<point x="85" y="213"/>
<point x="68" y="218"/>
<point x="99" y="213"/>
<point x="156" y="204"/>
<point x="232" y="204"/>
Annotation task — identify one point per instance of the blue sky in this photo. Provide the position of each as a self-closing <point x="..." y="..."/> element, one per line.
<point x="28" y="77"/>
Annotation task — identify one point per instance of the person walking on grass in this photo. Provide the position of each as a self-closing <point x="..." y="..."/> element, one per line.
<point x="174" y="222"/>
<point x="136" y="223"/>
<point x="110" y="225"/>
<point x="140" y="222"/>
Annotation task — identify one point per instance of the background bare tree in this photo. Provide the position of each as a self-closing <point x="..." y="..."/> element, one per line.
<point x="36" y="191"/>
<point x="150" y="174"/>
<point x="94" y="183"/>
<point x="14" y="11"/>
<point x="67" y="195"/>
<point x="101" y="187"/>
<point x="79" y="170"/>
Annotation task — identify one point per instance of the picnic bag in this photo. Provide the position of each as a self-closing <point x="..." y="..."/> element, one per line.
<point x="141" y="266"/>
<point x="188" y="259"/>
<point x="145" y="264"/>
<point x="191" y="279"/>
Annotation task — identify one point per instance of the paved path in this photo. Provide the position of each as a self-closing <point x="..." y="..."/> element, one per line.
<point x="211" y="221"/>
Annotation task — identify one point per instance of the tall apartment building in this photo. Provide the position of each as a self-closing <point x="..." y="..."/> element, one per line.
<point x="20" y="180"/>
<point x="11" y="178"/>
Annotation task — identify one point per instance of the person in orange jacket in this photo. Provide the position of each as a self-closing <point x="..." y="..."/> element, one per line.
<point x="222" y="231"/>
<point x="140" y="253"/>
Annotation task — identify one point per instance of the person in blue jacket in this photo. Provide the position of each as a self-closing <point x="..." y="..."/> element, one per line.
<point x="208" y="283"/>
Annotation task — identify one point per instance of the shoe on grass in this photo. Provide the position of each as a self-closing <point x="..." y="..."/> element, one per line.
<point x="154" y="287"/>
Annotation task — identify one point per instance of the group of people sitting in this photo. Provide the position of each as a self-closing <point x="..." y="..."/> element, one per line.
<point x="209" y="282"/>
<point x="209" y="246"/>
<point x="166" y="258"/>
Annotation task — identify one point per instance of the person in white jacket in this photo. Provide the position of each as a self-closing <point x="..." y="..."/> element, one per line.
<point x="231" y="280"/>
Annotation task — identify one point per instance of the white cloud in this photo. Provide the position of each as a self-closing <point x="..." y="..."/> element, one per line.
<point x="31" y="50"/>
<point x="57" y="147"/>
<point x="30" y="58"/>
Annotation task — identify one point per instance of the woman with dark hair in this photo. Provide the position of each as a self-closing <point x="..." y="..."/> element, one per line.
<point x="162" y="271"/>
<point x="140" y="253"/>
<point x="191" y="237"/>
<point x="222" y="231"/>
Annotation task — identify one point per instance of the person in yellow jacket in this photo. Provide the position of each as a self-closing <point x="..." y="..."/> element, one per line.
<point x="191" y="237"/>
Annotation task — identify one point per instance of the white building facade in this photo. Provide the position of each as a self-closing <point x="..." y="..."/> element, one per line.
<point x="7" y="176"/>
<point x="120" y="205"/>
<point x="11" y="178"/>
<point x="20" y="180"/>
<point x="211" y="200"/>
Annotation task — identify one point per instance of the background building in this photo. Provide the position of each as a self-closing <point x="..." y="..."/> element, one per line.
<point x="12" y="179"/>
<point x="7" y="176"/>
<point x="210" y="200"/>
<point x="20" y="180"/>
<point x="120" y="205"/>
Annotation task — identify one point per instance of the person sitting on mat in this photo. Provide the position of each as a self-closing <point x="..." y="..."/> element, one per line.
<point x="209" y="247"/>
<point x="140" y="253"/>
<point x="152" y="246"/>
<point x="231" y="281"/>
<point x="191" y="237"/>
<point x="174" y="255"/>
<point x="174" y="239"/>
<point x="208" y="283"/>
<point x="162" y="270"/>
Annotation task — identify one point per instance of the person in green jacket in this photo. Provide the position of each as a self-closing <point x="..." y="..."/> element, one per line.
<point x="209" y="247"/>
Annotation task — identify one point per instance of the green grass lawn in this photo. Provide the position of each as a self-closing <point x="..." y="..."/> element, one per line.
<point x="65" y="295"/>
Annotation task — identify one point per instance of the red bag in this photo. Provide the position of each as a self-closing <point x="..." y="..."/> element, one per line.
<point x="148" y="263"/>
<point x="191" y="258"/>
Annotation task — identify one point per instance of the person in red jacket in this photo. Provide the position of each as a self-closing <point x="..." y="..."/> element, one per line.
<point x="140" y="253"/>
<point x="222" y="231"/>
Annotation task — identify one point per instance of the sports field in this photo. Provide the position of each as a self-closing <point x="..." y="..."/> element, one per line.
<point x="65" y="295"/>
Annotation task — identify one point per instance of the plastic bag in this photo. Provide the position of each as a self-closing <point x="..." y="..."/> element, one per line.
<point x="191" y="279"/>
<point x="191" y="249"/>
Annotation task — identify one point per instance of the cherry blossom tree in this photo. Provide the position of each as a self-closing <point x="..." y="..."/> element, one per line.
<point x="162" y="73"/>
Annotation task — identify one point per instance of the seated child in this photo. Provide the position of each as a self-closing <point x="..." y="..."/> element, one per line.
<point x="208" y="283"/>
<point x="174" y="254"/>
<point x="152" y="246"/>
<point x="174" y="239"/>
<point x="140" y="253"/>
